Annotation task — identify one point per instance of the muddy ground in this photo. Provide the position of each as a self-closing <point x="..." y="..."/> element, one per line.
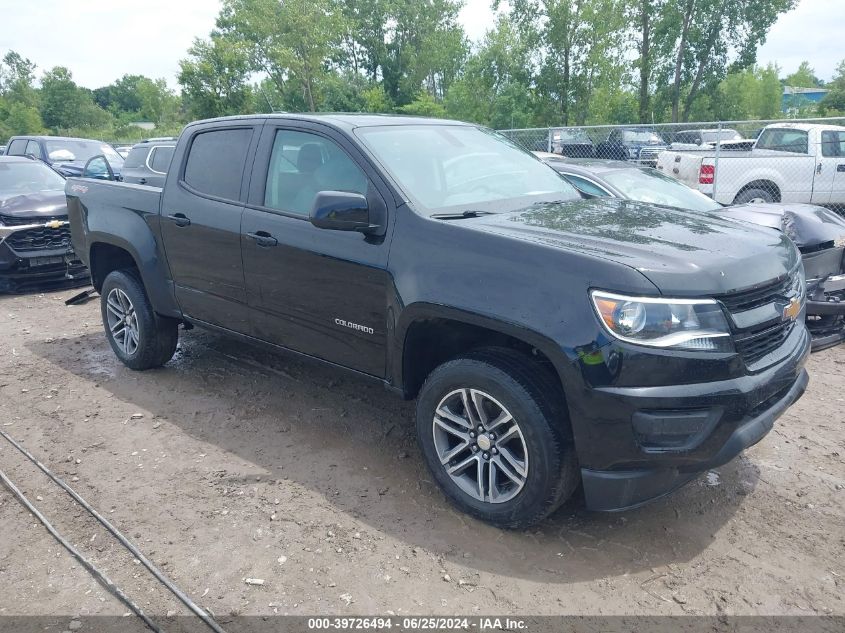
<point x="232" y="463"/>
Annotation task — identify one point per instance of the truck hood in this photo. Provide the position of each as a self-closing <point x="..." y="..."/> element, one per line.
<point x="683" y="253"/>
<point x="44" y="204"/>
<point x="808" y="225"/>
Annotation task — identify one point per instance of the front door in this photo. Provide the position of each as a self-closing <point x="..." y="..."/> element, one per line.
<point x="316" y="291"/>
<point x="829" y="184"/>
<point x="201" y="227"/>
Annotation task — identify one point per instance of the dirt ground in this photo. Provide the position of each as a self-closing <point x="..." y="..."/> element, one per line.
<point x="232" y="463"/>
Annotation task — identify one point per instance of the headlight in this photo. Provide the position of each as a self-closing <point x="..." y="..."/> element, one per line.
<point x="692" y="324"/>
<point x="632" y="152"/>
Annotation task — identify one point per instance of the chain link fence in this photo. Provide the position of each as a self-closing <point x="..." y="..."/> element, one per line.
<point x="734" y="162"/>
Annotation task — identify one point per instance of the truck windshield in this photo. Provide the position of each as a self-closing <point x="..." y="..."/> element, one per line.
<point x="641" y="136"/>
<point x="648" y="185"/>
<point x="452" y="168"/>
<point x="79" y="150"/>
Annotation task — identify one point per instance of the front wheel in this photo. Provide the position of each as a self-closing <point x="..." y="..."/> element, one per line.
<point x="138" y="336"/>
<point x="494" y="433"/>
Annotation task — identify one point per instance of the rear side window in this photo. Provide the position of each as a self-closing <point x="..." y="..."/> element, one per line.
<point x="783" y="140"/>
<point x="136" y="157"/>
<point x="833" y="143"/>
<point x="17" y="148"/>
<point x="216" y="162"/>
<point x="160" y="158"/>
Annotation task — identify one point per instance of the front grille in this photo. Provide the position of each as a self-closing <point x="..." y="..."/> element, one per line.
<point x="754" y="346"/>
<point x="40" y="239"/>
<point x="11" y="220"/>
<point x="779" y="289"/>
<point x="755" y="342"/>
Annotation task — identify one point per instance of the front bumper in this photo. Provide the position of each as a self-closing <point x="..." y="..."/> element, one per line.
<point x="723" y="418"/>
<point x="37" y="268"/>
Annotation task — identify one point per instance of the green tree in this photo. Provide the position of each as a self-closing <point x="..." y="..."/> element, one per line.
<point x="495" y="86"/>
<point x="424" y="105"/>
<point x="579" y="44"/>
<point x="65" y="105"/>
<point x="214" y="78"/>
<point x="290" y="41"/>
<point x="712" y="38"/>
<point x="18" y="97"/>
<point x="834" y="101"/>
<point x="803" y="77"/>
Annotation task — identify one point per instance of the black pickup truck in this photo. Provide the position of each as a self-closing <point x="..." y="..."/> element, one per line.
<point x="550" y="341"/>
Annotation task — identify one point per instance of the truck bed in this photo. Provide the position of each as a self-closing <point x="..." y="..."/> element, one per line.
<point x="102" y="205"/>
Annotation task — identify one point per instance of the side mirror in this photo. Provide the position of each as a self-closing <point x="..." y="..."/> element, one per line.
<point x="342" y="211"/>
<point x="98" y="167"/>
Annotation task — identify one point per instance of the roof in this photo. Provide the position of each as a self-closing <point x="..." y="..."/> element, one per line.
<point x="348" y="120"/>
<point x="805" y="127"/>
<point x="789" y="90"/>
<point x="42" y="137"/>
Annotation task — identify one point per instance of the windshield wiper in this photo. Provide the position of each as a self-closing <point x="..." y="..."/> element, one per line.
<point x="460" y="216"/>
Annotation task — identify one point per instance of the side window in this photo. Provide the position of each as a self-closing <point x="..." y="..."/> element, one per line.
<point x="216" y="162"/>
<point x="586" y="186"/>
<point x="784" y="140"/>
<point x="833" y="143"/>
<point x="32" y="149"/>
<point x="160" y="158"/>
<point x="302" y="165"/>
<point x="136" y="157"/>
<point x="17" y="147"/>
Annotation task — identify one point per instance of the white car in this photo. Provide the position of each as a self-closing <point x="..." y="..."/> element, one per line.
<point x="789" y="162"/>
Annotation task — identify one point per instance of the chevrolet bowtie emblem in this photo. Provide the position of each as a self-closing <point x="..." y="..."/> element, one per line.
<point x="790" y="312"/>
<point x="53" y="224"/>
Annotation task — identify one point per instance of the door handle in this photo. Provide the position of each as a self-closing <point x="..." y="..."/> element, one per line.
<point x="180" y="219"/>
<point x="263" y="238"/>
<point x="840" y="167"/>
<point x="142" y="181"/>
<point x="819" y="168"/>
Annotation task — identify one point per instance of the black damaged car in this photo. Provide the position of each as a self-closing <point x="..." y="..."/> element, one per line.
<point x="35" y="246"/>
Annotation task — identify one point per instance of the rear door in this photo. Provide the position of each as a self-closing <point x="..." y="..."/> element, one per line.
<point x="201" y="223"/>
<point x="830" y="169"/>
<point x="315" y="291"/>
<point x="133" y="170"/>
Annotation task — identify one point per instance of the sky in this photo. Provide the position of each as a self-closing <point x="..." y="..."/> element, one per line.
<point x="102" y="41"/>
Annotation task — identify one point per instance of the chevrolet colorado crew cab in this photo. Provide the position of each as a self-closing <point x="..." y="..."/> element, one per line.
<point x="550" y="341"/>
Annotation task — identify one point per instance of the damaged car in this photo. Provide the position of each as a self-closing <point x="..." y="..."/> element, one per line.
<point x="35" y="244"/>
<point x="818" y="232"/>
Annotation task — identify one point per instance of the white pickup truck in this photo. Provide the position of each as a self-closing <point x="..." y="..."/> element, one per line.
<point x="790" y="162"/>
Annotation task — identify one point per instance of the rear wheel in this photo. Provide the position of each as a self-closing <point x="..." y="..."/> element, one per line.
<point x="139" y="338"/>
<point x="755" y="196"/>
<point x="493" y="431"/>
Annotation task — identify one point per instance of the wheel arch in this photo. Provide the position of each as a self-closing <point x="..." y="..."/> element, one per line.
<point x="762" y="183"/>
<point x="107" y="253"/>
<point x="429" y="335"/>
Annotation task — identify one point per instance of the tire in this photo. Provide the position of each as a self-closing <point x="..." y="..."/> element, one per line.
<point x="754" y="195"/>
<point x="540" y="454"/>
<point x="146" y="340"/>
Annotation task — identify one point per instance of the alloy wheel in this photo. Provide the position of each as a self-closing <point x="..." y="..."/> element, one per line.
<point x="123" y="321"/>
<point x="480" y="445"/>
